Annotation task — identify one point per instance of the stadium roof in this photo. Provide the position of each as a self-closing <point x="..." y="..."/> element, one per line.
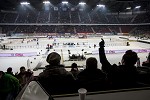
<point x="112" y="5"/>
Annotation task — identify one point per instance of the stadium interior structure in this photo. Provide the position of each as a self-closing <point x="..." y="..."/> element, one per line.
<point x="77" y="24"/>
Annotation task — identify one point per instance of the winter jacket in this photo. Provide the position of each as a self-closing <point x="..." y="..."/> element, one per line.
<point x="56" y="80"/>
<point x="91" y="74"/>
<point x="119" y="76"/>
<point x="92" y="80"/>
<point x="9" y="83"/>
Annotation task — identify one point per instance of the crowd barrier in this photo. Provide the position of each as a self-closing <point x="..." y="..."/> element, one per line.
<point x="34" y="91"/>
<point x="116" y="44"/>
<point x="124" y="94"/>
<point x="87" y="45"/>
<point x="59" y="46"/>
<point x="27" y="46"/>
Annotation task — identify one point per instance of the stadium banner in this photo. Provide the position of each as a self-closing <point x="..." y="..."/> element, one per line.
<point x="52" y="34"/>
<point x="108" y="33"/>
<point x="67" y="33"/>
<point x="85" y="33"/>
<point x="90" y="33"/>
<point x="121" y="51"/>
<point x="41" y="34"/>
<point x="126" y="34"/>
<point x="120" y="34"/>
<point x="81" y="33"/>
<point x="98" y="33"/>
<point x="29" y="54"/>
<point x="17" y="34"/>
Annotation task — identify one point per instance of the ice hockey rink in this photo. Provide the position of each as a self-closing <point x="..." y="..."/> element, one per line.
<point x="32" y="53"/>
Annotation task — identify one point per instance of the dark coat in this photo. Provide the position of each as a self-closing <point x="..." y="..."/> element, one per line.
<point x="146" y="64"/>
<point x="75" y="73"/>
<point x="24" y="78"/>
<point x="56" y="80"/>
<point x="92" y="80"/>
<point x="91" y="74"/>
<point x="120" y="76"/>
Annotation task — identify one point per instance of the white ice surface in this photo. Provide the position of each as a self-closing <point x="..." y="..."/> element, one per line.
<point x="114" y="44"/>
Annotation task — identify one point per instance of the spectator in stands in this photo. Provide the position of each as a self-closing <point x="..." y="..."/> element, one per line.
<point x="74" y="70"/>
<point x="148" y="58"/>
<point x="9" y="71"/>
<point x="94" y="45"/>
<point x="55" y="79"/>
<point x="92" y="78"/>
<point x="29" y="75"/>
<point x="29" y="72"/>
<point x="122" y="76"/>
<point x="24" y="76"/>
<point x="147" y="63"/>
<point x="138" y="62"/>
<point x="119" y="63"/>
<point x="4" y="47"/>
<point x="9" y="86"/>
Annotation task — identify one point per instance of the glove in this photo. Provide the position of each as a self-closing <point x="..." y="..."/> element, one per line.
<point x="102" y="43"/>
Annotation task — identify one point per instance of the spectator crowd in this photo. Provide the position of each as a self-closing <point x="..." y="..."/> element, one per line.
<point x="61" y="16"/>
<point x="11" y="84"/>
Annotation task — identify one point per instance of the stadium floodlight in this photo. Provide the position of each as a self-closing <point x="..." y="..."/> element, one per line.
<point x="100" y="5"/>
<point x="82" y="3"/>
<point x="137" y="7"/>
<point x="128" y="8"/>
<point x="46" y="2"/>
<point x="24" y="3"/>
<point x="64" y="2"/>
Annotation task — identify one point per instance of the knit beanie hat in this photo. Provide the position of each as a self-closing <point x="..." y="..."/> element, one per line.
<point x="53" y="58"/>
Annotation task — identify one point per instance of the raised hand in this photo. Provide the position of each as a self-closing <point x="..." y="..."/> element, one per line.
<point x="102" y="43"/>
